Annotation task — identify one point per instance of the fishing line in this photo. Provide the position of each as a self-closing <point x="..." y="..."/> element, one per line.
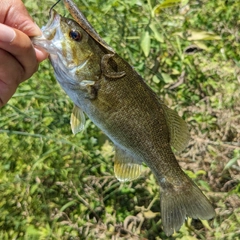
<point x="53" y="7"/>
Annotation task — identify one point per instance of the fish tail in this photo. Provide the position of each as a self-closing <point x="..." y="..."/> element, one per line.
<point x="178" y="203"/>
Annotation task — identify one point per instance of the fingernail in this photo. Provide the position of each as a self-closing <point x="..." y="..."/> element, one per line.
<point x="7" y="34"/>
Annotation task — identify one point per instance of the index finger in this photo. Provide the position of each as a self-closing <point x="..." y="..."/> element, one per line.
<point x="14" y="14"/>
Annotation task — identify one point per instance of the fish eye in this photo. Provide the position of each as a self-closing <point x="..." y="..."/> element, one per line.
<point x="75" y="35"/>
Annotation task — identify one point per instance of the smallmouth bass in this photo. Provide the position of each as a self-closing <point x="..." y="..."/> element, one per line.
<point x="115" y="97"/>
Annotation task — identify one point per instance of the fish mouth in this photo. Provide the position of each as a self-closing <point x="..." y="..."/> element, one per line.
<point x="53" y="23"/>
<point x="48" y="33"/>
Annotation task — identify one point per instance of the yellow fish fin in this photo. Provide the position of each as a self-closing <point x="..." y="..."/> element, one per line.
<point x="179" y="134"/>
<point x="77" y="120"/>
<point x="125" y="167"/>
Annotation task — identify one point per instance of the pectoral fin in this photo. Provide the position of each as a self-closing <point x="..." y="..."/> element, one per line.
<point x="77" y="120"/>
<point x="179" y="134"/>
<point x="125" y="167"/>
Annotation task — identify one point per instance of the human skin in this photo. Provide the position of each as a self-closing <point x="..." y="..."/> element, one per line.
<point x="18" y="58"/>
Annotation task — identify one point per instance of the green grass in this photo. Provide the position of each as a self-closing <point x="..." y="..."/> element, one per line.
<point x="58" y="186"/>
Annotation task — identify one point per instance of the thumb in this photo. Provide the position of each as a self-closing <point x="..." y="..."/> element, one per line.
<point x="17" y="16"/>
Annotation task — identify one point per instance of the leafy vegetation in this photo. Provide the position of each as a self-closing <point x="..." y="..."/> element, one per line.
<point x="58" y="186"/>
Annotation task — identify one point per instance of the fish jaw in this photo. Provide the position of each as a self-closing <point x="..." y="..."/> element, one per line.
<point x="45" y="41"/>
<point x="49" y="31"/>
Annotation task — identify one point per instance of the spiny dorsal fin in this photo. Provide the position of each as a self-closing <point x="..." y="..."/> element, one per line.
<point x="179" y="134"/>
<point x="77" y="120"/>
<point x="125" y="167"/>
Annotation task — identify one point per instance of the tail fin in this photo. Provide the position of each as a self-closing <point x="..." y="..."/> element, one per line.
<point x="177" y="205"/>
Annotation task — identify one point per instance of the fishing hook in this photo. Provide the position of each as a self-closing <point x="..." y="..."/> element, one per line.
<point x="53" y="7"/>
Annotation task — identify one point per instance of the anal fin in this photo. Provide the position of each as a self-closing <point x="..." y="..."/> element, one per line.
<point x="125" y="167"/>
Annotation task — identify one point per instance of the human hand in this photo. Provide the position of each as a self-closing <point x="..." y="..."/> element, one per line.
<point x="18" y="58"/>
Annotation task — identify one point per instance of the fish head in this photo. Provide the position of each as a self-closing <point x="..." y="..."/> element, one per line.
<point x="64" y="39"/>
<point x="69" y="46"/>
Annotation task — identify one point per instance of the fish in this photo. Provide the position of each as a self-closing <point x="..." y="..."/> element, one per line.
<point x="116" y="98"/>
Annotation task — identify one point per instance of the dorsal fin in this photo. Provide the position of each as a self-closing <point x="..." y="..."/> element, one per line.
<point x="125" y="167"/>
<point x="179" y="134"/>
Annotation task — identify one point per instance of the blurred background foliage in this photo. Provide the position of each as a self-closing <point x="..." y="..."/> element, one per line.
<point x="58" y="186"/>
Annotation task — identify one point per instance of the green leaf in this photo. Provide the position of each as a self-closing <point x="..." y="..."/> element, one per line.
<point x="166" y="4"/>
<point x="157" y="35"/>
<point x="204" y="184"/>
<point x="194" y="35"/>
<point x="145" y="43"/>
<point x="231" y="162"/>
<point x="167" y="78"/>
<point x="73" y="202"/>
<point x="32" y="231"/>
<point x="33" y="188"/>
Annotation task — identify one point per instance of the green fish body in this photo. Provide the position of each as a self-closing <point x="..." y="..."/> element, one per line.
<point x="115" y="97"/>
